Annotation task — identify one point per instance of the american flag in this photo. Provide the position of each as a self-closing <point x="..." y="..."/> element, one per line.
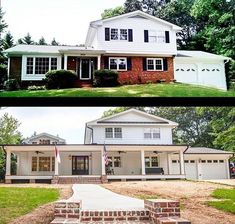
<point x="106" y="159"/>
<point x="57" y="154"/>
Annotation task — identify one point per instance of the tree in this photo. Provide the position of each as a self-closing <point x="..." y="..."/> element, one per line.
<point x="3" y="25"/>
<point x="20" y="41"/>
<point x="8" y="41"/>
<point x="112" y="12"/>
<point x="54" y="42"/>
<point x="27" y="40"/>
<point x="42" y="41"/>
<point x="9" y="134"/>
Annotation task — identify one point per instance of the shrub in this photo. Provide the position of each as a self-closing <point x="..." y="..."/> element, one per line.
<point x="3" y="75"/>
<point x="232" y="86"/>
<point x="106" y="78"/>
<point x="35" y="88"/>
<point x="60" y="79"/>
<point x="11" y="85"/>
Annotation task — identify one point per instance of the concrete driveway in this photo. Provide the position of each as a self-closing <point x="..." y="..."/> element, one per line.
<point x="230" y="182"/>
<point x="95" y="197"/>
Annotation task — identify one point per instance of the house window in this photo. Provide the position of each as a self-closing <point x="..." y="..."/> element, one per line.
<point x="154" y="64"/>
<point x="53" y="63"/>
<point x="44" y="163"/>
<point x="123" y="34"/>
<point x="119" y="64"/>
<point x="44" y="142"/>
<point x="114" y="34"/>
<point x="203" y="161"/>
<point x="110" y="159"/>
<point x="34" y="164"/>
<point x="29" y="66"/>
<point x="117" y="133"/>
<point x="157" y="36"/>
<point x="215" y="161"/>
<point x="117" y="161"/>
<point x="108" y="132"/>
<point x="192" y="161"/>
<point x="174" y="161"/>
<point x="209" y="161"/>
<point x="151" y="161"/>
<point x="152" y="133"/>
<point x="221" y="161"/>
<point x="41" y="66"/>
<point x="186" y="161"/>
<point x="113" y="132"/>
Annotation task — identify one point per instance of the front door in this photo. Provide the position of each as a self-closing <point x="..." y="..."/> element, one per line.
<point x="85" y="73"/>
<point x="80" y="165"/>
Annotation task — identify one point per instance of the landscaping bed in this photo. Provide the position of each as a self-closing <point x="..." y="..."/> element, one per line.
<point x="194" y="197"/>
<point x="144" y="90"/>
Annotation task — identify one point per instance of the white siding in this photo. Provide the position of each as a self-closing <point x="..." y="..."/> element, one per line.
<point x="132" y="135"/>
<point x="138" y="25"/>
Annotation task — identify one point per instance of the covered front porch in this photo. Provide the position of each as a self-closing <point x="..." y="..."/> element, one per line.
<point x="86" y="162"/>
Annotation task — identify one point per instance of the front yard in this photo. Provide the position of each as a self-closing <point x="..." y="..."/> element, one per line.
<point x="144" y="90"/>
<point x="195" y="198"/>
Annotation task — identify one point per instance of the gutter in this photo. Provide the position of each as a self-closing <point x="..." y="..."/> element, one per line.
<point x="91" y="134"/>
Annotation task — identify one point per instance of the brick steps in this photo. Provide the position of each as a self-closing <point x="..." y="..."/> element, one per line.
<point x="79" y="180"/>
<point x="76" y="221"/>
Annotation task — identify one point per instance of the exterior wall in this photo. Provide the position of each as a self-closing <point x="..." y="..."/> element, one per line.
<point x="132" y="135"/>
<point x="138" y="76"/>
<point x="72" y="63"/>
<point x="37" y="140"/>
<point x="15" y="68"/>
<point x="138" y="45"/>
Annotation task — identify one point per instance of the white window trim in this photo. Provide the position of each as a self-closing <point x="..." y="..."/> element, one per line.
<point x="36" y="77"/>
<point x="150" y="157"/>
<point x="113" y="137"/>
<point x="154" y="64"/>
<point x="118" y="58"/>
<point x="156" y="32"/>
<point x="81" y="70"/>
<point x="38" y="171"/>
<point x="151" y="131"/>
<point x="119" y="34"/>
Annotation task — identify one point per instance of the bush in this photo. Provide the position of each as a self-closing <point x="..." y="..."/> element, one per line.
<point x="35" y="88"/>
<point x="3" y="75"/>
<point x="60" y="79"/>
<point x="106" y="78"/>
<point x="11" y="85"/>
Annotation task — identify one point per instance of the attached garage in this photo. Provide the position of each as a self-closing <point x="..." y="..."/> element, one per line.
<point x="200" y="68"/>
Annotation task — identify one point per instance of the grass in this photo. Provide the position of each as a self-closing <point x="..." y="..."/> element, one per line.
<point x="226" y="200"/>
<point x="144" y="90"/>
<point x="15" y="202"/>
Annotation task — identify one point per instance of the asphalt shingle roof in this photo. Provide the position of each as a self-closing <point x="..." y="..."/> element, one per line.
<point x="203" y="150"/>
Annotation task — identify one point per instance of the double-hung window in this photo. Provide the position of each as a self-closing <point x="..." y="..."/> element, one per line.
<point x="119" y="34"/>
<point x="111" y="133"/>
<point x="114" y="34"/>
<point x="152" y="133"/>
<point x="154" y="64"/>
<point x="123" y="34"/>
<point x="119" y="64"/>
<point x="157" y="36"/>
<point x="151" y="161"/>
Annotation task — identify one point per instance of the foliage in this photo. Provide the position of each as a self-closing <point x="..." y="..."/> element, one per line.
<point x="3" y="75"/>
<point x="143" y="90"/>
<point x="42" y="41"/>
<point x="8" y="41"/>
<point x="106" y="78"/>
<point x="226" y="202"/>
<point x="59" y="79"/>
<point x="26" y="40"/>
<point x="54" y="42"/>
<point x="11" y="85"/>
<point x="3" y="24"/>
<point x="36" y="88"/>
<point x="16" y="202"/>
<point x="112" y="12"/>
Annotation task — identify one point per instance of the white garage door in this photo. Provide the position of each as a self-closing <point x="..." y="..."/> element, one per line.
<point x="213" y="169"/>
<point x="191" y="169"/>
<point x="211" y="74"/>
<point x="186" y="73"/>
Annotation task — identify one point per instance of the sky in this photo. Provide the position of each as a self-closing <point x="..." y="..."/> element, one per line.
<point x="67" y="122"/>
<point x="66" y="20"/>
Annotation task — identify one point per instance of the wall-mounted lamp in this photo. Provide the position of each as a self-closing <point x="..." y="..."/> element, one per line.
<point x="70" y="157"/>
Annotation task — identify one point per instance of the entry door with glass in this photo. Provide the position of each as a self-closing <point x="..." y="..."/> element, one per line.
<point x="85" y="72"/>
<point x="80" y="165"/>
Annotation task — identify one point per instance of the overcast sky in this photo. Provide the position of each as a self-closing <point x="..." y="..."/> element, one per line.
<point x="67" y="122"/>
<point x="66" y="20"/>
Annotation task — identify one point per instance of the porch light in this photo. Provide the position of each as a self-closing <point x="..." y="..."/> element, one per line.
<point x="70" y="157"/>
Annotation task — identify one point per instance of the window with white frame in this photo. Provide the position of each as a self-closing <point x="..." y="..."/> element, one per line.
<point x="40" y="65"/>
<point x="154" y="64"/>
<point x="152" y="133"/>
<point x="117" y="161"/>
<point x="114" y="34"/>
<point x="119" y="34"/>
<point x="43" y="163"/>
<point x="119" y="64"/>
<point x="123" y="34"/>
<point x="157" y="36"/>
<point x="151" y="161"/>
<point x="113" y="133"/>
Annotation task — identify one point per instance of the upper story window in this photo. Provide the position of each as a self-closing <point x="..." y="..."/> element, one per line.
<point x="115" y="34"/>
<point x="113" y="133"/>
<point x="155" y="36"/>
<point x="40" y="65"/>
<point x="123" y="34"/>
<point x="119" y="64"/>
<point x="154" y="64"/>
<point x="44" y="142"/>
<point x="152" y="133"/>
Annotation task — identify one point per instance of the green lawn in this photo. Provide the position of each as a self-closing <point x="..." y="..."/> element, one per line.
<point x="226" y="202"/>
<point x="147" y="90"/>
<point x="15" y="202"/>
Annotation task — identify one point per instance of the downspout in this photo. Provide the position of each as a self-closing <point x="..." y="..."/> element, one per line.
<point x="184" y="160"/>
<point x="91" y="133"/>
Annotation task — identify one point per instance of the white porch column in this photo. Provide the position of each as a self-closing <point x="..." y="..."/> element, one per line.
<point x="143" y="163"/>
<point x="169" y="163"/>
<point x="56" y="167"/>
<point x="99" y="62"/>
<point x="182" y="170"/>
<point x="65" y="62"/>
<point x="102" y="163"/>
<point x="8" y="67"/>
<point x="227" y="168"/>
<point x="8" y="163"/>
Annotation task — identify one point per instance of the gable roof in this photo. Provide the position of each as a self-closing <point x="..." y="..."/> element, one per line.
<point x="204" y="150"/>
<point x="200" y="54"/>
<point x="44" y="134"/>
<point x="155" y="119"/>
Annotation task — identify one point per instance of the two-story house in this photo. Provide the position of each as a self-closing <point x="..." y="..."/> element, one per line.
<point x="131" y="145"/>
<point x="141" y="47"/>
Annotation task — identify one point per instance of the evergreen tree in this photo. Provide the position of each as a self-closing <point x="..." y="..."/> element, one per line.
<point x="8" y="41"/>
<point x="28" y="39"/>
<point x="42" y="41"/>
<point x="54" y="42"/>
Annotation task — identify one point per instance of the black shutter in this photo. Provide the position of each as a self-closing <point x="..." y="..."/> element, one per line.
<point x="130" y="35"/>
<point x="146" y="36"/>
<point x="144" y="64"/>
<point x="167" y="35"/>
<point x="165" y="64"/>
<point x="107" y="34"/>
<point x="78" y="67"/>
<point x="106" y="62"/>
<point x="129" y="64"/>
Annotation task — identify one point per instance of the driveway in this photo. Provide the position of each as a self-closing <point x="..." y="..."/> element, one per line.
<point x="230" y="182"/>
<point x="95" y="197"/>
